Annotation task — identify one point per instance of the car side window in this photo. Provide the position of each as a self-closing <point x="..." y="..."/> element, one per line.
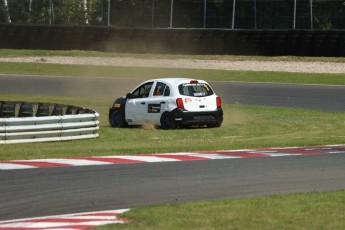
<point x="142" y="91"/>
<point x="161" y="89"/>
<point x="167" y="91"/>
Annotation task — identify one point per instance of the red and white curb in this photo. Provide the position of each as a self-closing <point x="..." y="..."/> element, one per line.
<point x="170" y="157"/>
<point x="76" y="221"/>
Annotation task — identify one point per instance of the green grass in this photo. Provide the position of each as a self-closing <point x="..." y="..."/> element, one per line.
<point x="79" y="53"/>
<point x="40" y="68"/>
<point x="145" y="73"/>
<point x="243" y="127"/>
<point x="298" y="211"/>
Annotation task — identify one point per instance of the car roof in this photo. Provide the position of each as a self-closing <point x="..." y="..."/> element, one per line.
<point x="176" y="80"/>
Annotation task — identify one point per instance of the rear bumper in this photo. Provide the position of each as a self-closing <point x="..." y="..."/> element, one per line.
<point x="187" y="118"/>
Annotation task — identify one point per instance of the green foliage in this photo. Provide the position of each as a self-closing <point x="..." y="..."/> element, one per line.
<point x="186" y="14"/>
<point x="39" y="12"/>
<point x="19" y="11"/>
<point x="68" y="12"/>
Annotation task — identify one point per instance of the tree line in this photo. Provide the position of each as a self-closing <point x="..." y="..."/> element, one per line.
<point x="231" y="14"/>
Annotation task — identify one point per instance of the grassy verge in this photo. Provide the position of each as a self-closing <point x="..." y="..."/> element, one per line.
<point x="79" y="53"/>
<point x="243" y="127"/>
<point x="299" y="211"/>
<point x="144" y="73"/>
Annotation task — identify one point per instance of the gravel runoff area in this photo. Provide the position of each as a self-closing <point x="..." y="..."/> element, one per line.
<point x="281" y="66"/>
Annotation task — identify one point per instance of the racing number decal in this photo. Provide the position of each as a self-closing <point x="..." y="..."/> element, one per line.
<point x="154" y="108"/>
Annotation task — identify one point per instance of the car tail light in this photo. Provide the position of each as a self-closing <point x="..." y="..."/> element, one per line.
<point x="179" y="103"/>
<point x="219" y="102"/>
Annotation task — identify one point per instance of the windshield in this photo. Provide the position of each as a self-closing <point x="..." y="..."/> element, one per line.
<point x="195" y="89"/>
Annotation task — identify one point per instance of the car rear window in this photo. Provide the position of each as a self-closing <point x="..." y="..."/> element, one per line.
<point x="195" y="89"/>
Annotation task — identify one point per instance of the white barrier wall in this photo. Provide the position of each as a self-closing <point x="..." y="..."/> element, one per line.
<point x="49" y="128"/>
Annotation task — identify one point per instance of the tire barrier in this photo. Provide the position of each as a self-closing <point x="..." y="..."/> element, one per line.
<point x="174" y="41"/>
<point x="23" y="122"/>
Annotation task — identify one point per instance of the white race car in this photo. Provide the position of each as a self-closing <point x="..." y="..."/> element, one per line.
<point x="169" y="103"/>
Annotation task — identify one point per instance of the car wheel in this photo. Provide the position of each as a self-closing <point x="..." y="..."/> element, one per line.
<point x="167" y="121"/>
<point x="117" y="120"/>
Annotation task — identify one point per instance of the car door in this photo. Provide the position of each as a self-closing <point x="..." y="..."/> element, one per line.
<point x="157" y="103"/>
<point x="136" y="106"/>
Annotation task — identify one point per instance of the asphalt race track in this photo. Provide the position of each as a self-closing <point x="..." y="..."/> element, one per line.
<point x="37" y="192"/>
<point x="320" y="97"/>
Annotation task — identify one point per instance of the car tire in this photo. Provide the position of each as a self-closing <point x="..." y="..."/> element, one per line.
<point x="167" y="121"/>
<point x="117" y="119"/>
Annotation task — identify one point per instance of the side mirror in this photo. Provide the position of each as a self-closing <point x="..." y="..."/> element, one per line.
<point x="128" y="95"/>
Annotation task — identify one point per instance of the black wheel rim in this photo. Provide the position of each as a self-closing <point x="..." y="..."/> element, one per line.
<point x="117" y="119"/>
<point x="166" y="124"/>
